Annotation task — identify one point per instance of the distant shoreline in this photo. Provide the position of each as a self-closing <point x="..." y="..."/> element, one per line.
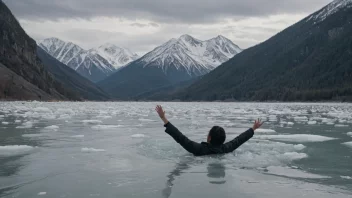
<point x="179" y="101"/>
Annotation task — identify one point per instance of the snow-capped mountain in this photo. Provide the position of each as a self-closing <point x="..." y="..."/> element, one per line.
<point x="195" y="56"/>
<point x="94" y="64"/>
<point x="330" y="9"/>
<point x="175" y="61"/>
<point x="116" y="56"/>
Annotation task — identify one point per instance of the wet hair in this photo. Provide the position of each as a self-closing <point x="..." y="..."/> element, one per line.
<point x="218" y="136"/>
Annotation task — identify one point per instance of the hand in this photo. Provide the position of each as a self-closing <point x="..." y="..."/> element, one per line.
<point x="257" y="124"/>
<point x="161" y="113"/>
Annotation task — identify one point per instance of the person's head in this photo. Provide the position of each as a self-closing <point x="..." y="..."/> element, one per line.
<point x="216" y="136"/>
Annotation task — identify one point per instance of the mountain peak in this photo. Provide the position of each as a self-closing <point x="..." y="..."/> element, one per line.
<point x="116" y="56"/>
<point x="330" y="9"/>
<point x="195" y="56"/>
<point x="222" y="38"/>
<point x="186" y="36"/>
<point x="109" y="45"/>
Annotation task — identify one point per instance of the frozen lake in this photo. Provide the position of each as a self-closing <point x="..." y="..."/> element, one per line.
<point x="91" y="149"/>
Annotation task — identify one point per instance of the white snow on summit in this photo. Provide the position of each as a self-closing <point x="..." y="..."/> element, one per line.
<point x="116" y="56"/>
<point x="101" y="61"/>
<point x="196" y="56"/>
<point x="330" y="9"/>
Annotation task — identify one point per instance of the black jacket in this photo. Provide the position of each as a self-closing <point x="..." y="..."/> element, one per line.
<point x="206" y="148"/>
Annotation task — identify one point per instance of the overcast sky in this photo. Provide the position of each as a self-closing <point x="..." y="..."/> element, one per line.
<point x="142" y="25"/>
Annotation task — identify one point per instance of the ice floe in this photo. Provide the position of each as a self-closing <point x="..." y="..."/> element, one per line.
<point x="295" y="155"/>
<point x="13" y="150"/>
<point x="312" y="122"/>
<point x="92" y="121"/>
<point x="349" y="144"/>
<point x="91" y="150"/>
<point x="102" y="127"/>
<point x="265" y="131"/>
<point x="341" y="125"/>
<point x="32" y="135"/>
<point x="77" y="136"/>
<point x="52" y="128"/>
<point x="138" y="136"/>
<point x="299" y="147"/>
<point x="296" y="138"/>
<point x="26" y="125"/>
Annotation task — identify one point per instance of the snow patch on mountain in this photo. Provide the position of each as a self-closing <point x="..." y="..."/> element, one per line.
<point x="116" y="56"/>
<point x="101" y="61"/>
<point x="195" y="56"/>
<point x="330" y="9"/>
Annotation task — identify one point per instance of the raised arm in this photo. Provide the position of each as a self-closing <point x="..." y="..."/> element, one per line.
<point x="241" y="139"/>
<point x="186" y="143"/>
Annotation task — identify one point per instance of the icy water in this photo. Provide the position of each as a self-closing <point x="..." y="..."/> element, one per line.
<point x="121" y="150"/>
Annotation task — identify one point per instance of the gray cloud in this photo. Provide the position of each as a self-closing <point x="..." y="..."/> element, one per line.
<point x="178" y="11"/>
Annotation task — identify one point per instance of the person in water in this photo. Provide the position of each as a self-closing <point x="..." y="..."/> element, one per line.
<point x="215" y="141"/>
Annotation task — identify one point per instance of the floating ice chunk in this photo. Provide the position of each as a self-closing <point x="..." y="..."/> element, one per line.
<point x="92" y="121"/>
<point x="265" y="131"/>
<point x="296" y="138"/>
<point x="42" y="109"/>
<point x="52" y="127"/>
<point x="18" y="121"/>
<point x="138" y="136"/>
<point x="106" y="127"/>
<point x="2" y="116"/>
<point x="26" y="125"/>
<point x="64" y="117"/>
<point x="42" y="193"/>
<point x="13" y="150"/>
<point x="77" y="136"/>
<point x="340" y="125"/>
<point x="104" y="116"/>
<point x="295" y="156"/>
<point x="346" y="177"/>
<point x="312" y="122"/>
<point x="5" y="123"/>
<point x="326" y="120"/>
<point x="349" y="133"/>
<point x="65" y="111"/>
<point x="294" y="173"/>
<point x="300" y="119"/>
<point x="146" y="120"/>
<point x="299" y="147"/>
<point x="32" y="135"/>
<point x="290" y="123"/>
<point x="330" y="123"/>
<point x="349" y="144"/>
<point x="89" y="150"/>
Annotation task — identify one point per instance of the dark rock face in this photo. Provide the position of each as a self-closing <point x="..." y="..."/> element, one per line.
<point x="70" y="78"/>
<point x="18" y="52"/>
<point x="14" y="87"/>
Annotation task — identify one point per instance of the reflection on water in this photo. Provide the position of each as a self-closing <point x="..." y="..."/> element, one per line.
<point x="179" y="169"/>
<point x="215" y="171"/>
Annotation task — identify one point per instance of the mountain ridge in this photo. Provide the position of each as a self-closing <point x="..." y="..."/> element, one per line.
<point x="308" y="61"/>
<point x="95" y="64"/>
<point x="175" y="61"/>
